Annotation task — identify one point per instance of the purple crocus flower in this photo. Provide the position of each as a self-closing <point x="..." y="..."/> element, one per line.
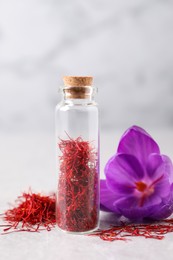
<point x="139" y="180"/>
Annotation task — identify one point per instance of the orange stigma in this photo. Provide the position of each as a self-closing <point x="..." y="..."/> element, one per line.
<point x="141" y="186"/>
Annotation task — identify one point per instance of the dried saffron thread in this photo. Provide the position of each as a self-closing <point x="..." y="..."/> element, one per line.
<point x="33" y="213"/>
<point x="77" y="196"/>
<point x="155" y="231"/>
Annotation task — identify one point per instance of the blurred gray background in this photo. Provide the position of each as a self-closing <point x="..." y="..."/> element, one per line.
<point x="125" y="44"/>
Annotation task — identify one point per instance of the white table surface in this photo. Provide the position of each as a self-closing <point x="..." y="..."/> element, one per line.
<point x="28" y="160"/>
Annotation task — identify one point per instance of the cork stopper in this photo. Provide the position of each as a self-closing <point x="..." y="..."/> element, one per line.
<point x="77" y="81"/>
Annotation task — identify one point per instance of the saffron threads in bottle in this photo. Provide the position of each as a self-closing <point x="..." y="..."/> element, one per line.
<point x="123" y="232"/>
<point x="77" y="196"/>
<point x="33" y="213"/>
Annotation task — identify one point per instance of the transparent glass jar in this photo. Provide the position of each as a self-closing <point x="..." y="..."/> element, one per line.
<point x="77" y="142"/>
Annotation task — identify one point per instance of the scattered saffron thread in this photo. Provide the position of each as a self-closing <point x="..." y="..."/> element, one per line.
<point x="77" y="199"/>
<point x="33" y="213"/>
<point x="155" y="231"/>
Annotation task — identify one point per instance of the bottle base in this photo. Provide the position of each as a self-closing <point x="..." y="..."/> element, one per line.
<point x="79" y="232"/>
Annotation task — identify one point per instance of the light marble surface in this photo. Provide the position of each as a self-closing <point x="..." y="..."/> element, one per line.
<point x="28" y="160"/>
<point x="125" y="44"/>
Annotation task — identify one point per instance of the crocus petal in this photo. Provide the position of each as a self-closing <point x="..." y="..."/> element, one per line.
<point x="151" y="200"/>
<point x="158" y="165"/>
<point x="107" y="198"/>
<point x="128" y="208"/>
<point x="160" y="212"/>
<point x="159" y="170"/>
<point x="127" y="202"/>
<point x="136" y="214"/>
<point x="154" y="161"/>
<point x="139" y="143"/>
<point x="162" y="188"/>
<point x="164" y="209"/>
<point x="168" y="167"/>
<point x="122" y="171"/>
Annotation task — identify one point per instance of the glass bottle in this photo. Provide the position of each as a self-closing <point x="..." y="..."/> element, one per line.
<point x="77" y="143"/>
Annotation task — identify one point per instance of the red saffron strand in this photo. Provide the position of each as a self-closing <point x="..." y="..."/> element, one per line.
<point x="33" y="213"/>
<point x="77" y="196"/>
<point x="154" y="231"/>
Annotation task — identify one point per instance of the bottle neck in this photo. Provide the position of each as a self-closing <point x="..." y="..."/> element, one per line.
<point x="79" y="95"/>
